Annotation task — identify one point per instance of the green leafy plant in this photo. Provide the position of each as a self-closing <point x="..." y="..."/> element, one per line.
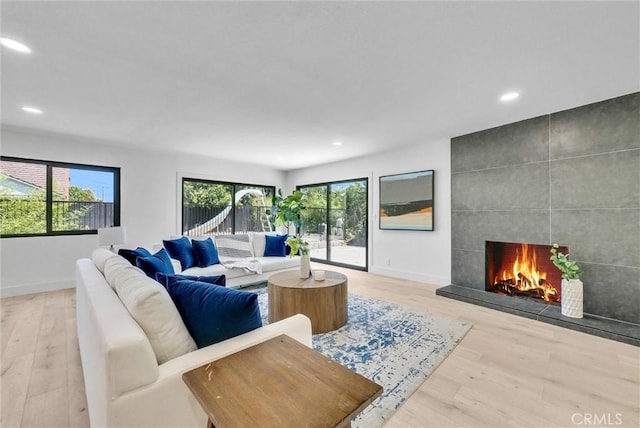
<point x="298" y="245"/>
<point x="287" y="211"/>
<point x="569" y="268"/>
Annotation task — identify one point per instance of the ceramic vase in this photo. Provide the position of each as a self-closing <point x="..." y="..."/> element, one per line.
<point x="305" y="266"/>
<point x="572" y="298"/>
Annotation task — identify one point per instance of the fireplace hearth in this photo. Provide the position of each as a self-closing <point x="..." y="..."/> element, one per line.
<point x="522" y="270"/>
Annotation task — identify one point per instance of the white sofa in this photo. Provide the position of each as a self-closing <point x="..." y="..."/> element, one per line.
<point x="125" y="385"/>
<point x="239" y="277"/>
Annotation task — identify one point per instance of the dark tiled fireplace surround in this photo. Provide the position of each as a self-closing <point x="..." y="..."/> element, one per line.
<point x="572" y="178"/>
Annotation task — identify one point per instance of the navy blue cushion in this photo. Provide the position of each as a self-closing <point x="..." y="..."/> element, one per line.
<point x="180" y="249"/>
<point x="212" y="313"/>
<point x="205" y="252"/>
<point x="132" y="255"/>
<point x="158" y="262"/>
<point x="274" y="246"/>
<point x="221" y="280"/>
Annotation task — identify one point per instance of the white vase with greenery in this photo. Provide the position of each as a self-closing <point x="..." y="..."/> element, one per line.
<point x="299" y="246"/>
<point x="572" y="287"/>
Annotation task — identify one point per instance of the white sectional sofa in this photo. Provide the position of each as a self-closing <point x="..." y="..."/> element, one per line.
<point x="126" y="385"/>
<point x="258" y="267"/>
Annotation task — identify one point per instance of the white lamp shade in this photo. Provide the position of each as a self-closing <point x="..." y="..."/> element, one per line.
<point x="110" y="236"/>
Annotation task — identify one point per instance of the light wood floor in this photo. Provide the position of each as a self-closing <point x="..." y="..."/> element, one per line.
<point x="507" y="371"/>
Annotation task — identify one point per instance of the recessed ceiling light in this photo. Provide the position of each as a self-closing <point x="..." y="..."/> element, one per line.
<point x="32" y="110"/>
<point x="510" y="96"/>
<point x="337" y="143"/>
<point x="14" y="45"/>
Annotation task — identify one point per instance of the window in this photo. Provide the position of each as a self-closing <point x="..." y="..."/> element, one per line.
<point x="53" y="198"/>
<point x="217" y="208"/>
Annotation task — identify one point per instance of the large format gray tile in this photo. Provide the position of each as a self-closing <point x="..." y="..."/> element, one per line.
<point x="467" y="269"/>
<point x="514" y="187"/>
<point x="608" y="236"/>
<point x="612" y="291"/>
<point x="601" y="127"/>
<point x="514" y="144"/>
<point x="609" y="180"/>
<point x="470" y="229"/>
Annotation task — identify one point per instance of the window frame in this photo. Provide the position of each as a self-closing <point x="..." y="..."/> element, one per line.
<point x="217" y="182"/>
<point x="50" y="165"/>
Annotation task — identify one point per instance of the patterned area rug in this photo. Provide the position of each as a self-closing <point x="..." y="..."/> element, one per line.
<point x="388" y="344"/>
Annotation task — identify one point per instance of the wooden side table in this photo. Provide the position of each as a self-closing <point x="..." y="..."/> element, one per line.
<point x="279" y="383"/>
<point x="324" y="302"/>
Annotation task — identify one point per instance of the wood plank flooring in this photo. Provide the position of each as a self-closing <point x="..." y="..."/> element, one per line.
<point x="41" y="378"/>
<point x="507" y="371"/>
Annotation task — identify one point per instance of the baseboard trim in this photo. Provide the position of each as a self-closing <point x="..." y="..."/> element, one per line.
<point x="412" y="276"/>
<point x="22" y="289"/>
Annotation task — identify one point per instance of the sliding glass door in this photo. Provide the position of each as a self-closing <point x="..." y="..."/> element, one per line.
<point x="335" y="222"/>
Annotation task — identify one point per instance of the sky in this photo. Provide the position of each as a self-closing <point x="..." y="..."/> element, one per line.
<point x="101" y="183"/>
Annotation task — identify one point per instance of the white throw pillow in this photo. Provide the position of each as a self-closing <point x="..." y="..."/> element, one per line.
<point x="100" y="256"/>
<point x="234" y="246"/>
<point x="258" y="243"/>
<point x="150" y="305"/>
<point x="117" y="266"/>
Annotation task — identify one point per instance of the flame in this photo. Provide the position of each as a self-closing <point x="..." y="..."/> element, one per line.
<point x="525" y="275"/>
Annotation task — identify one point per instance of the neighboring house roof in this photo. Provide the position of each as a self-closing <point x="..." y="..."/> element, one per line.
<point x="35" y="176"/>
<point x="13" y="187"/>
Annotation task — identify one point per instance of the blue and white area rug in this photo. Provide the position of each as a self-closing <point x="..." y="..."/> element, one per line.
<point x="388" y="344"/>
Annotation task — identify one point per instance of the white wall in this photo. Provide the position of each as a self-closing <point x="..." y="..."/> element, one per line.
<point x="419" y="256"/>
<point x="149" y="202"/>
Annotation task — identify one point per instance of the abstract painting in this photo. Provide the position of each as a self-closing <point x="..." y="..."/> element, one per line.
<point x="406" y="201"/>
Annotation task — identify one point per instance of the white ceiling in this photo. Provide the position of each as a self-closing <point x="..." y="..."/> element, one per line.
<point x="276" y="83"/>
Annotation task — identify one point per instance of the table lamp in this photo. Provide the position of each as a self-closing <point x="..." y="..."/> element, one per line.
<point x="110" y="236"/>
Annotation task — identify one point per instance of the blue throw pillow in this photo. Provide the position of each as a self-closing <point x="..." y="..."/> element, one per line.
<point x="275" y="246"/>
<point x="180" y="249"/>
<point x="205" y="252"/>
<point x="212" y="313"/>
<point x="132" y="255"/>
<point x="221" y="280"/>
<point x="158" y="262"/>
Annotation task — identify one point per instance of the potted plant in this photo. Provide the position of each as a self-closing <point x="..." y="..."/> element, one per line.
<point x="572" y="287"/>
<point x="287" y="213"/>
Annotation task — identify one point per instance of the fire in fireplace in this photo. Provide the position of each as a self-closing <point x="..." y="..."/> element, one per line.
<point x="522" y="270"/>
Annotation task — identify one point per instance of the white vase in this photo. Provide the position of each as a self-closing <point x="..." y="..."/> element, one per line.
<point x="305" y="266"/>
<point x="572" y="298"/>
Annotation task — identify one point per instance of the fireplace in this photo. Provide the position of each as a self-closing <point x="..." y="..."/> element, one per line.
<point x="522" y="270"/>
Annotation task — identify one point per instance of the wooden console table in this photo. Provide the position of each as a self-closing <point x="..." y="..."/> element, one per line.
<point x="324" y="302"/>
<point x="279" y="383"/>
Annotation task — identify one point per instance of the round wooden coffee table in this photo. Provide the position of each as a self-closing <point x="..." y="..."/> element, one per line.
<point x="324" y="302"/>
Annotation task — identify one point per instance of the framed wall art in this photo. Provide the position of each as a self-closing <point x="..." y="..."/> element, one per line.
<point x="406" y="201"/>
